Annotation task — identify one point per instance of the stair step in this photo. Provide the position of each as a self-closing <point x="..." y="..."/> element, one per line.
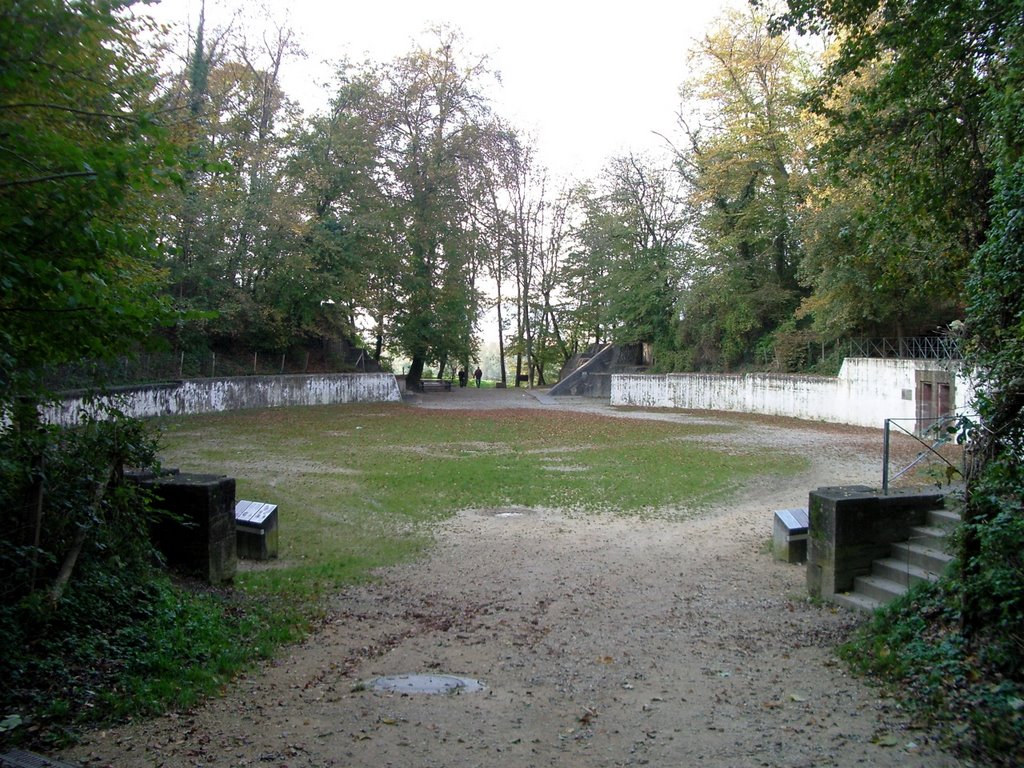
<point x="943" y="518"/>
<point x="878" y="588"/>
<point x="931" y="536"/>
<point x="856" y="601"/>
<point x="933" y="560"/>
<point x="922" y="558"/>
<point x="901" y="571"/>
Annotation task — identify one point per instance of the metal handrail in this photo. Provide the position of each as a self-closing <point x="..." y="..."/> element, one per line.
<point x="942" y="422"/>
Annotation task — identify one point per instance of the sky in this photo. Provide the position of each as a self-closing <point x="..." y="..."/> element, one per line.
<point x="587" y="81"/>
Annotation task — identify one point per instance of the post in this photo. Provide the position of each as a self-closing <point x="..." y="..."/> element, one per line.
<point x="885" y="459"/>
<point x="282" y="362"/>
<point x="255" y="357"/>
<point x="181" y="365"/>
<point x="213" y="364"/>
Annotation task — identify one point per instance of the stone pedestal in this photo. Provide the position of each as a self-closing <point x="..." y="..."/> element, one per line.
<point x="851" y="526"/>
<point x="201" y="540"/>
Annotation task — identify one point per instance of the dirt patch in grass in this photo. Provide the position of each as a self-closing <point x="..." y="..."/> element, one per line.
<point x="601" y="641"/>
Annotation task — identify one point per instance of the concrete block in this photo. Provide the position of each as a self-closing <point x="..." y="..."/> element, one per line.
<point x="851" y="526"/>
<point x="199" y="536"/>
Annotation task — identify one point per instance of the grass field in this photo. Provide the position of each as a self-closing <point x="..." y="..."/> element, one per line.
<point x="360" y="486"/>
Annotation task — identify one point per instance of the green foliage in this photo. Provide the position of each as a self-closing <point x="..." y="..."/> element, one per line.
<point x="57" y="484"/>
<point x="916" y="647"/>
<point x="75" y="553"/>
<point x="81" y="152"/>
<point x="129" y="644"/>
<point x="746" y="167"/>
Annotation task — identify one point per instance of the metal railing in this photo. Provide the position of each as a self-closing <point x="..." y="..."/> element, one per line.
<point x="938" y="433"/>
<point x="911" y="347"/>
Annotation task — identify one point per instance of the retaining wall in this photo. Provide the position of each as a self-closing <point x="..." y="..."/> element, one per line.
<point x="866" y="392"/>
<point x="195" y="396"/>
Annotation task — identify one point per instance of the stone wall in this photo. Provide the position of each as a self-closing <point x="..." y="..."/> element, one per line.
<point x="866" y="392"/>
<point x="195" y="396"/>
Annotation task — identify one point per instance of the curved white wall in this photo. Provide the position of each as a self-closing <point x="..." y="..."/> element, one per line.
<point x="210" y="395"/>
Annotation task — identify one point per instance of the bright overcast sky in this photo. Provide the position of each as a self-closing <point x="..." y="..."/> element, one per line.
<point x="587" y="80"/>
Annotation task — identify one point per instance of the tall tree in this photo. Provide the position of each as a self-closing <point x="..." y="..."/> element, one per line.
<point x="745" y="164"/>
<point x="433" y="114"/>
<point x="349" y="232"/>
<point x="645" y="275"/>
<point x="902" y="200"/>
<point x="231" y="228"/>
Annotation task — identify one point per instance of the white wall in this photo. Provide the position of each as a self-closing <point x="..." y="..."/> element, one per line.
<point x="866" y="392"/>
<point x="209" y="395"/>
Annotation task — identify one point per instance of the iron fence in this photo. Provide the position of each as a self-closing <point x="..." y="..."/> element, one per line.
<point x="911" y="347"/>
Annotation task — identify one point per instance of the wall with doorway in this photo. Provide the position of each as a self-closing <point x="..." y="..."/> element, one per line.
<point x="866" y="392"/>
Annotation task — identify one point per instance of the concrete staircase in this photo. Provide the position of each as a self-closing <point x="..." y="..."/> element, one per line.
<point x="923" y="557"/>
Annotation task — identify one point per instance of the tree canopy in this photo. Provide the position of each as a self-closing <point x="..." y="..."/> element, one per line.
<point x="82" y="151"/>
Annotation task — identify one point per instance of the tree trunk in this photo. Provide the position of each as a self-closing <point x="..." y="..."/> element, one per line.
<point x="501" y="346"/>
<point x="71" y="558"/>
<point x="415" y="374"/>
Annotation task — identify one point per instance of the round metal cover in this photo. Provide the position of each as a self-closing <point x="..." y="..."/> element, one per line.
<point x="425" y="684"/>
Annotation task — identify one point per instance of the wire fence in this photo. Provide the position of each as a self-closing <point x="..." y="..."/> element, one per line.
<point x="150" y="368"/>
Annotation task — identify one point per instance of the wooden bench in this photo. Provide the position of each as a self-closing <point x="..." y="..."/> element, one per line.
<point x="426" y="384"/>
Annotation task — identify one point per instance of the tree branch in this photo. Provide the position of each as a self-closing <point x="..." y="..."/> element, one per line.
<point x="72" y="110"/>
<point x="51" y="177"/>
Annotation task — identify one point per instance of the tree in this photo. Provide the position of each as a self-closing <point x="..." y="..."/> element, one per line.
<point x="746" y="166"/>
<point x="644" y="279"/>
<point x="81" y="152"/>
<point x="433" y="116"/>
<point x="350" y="235"/>
<point x="585" y="270"/>
<point x="902" y="200"/>
<point x="231" y="229"/>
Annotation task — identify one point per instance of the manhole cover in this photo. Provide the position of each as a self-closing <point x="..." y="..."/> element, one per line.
<point x="506" y="512"/>
<point x="425" y="684"/>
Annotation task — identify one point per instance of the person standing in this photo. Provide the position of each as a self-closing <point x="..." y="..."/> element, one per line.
<point x="478" y="374"/>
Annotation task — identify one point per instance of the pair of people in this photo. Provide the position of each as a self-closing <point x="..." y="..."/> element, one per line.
<point x="464" y="378"/>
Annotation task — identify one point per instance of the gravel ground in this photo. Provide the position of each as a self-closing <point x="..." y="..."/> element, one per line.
<point x="600" y="642"/>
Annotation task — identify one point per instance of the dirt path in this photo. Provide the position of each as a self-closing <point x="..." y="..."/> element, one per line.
<point x="601" y="642"/>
